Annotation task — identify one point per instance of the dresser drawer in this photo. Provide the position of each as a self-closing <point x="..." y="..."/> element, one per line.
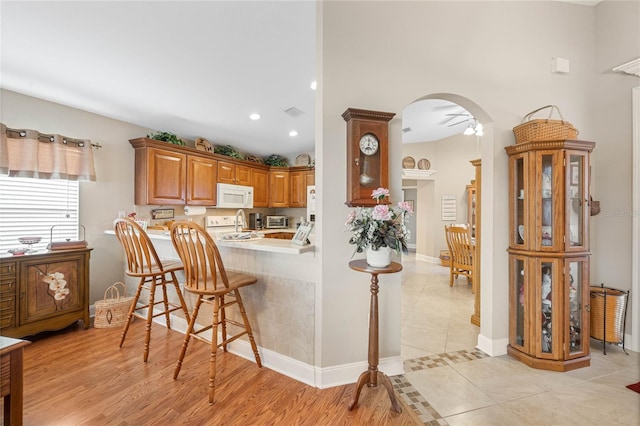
<point x="7" y="286"/>
<point x="7" y="269"/>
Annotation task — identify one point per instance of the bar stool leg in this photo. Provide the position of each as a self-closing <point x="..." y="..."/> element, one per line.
<point x="147" y="338"/>
<point x="125" y="329"/>
<point x="187" y="336"/>
<point x="214" y="349"/>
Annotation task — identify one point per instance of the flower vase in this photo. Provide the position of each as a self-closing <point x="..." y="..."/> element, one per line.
<point x="380" y="258"/>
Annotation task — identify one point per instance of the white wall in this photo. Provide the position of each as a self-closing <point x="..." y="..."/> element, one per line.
<point x="100" y="201"/>
<point x="383" y="56"/>
<point x="617" y="30"/>
<point x="450" y="158"/>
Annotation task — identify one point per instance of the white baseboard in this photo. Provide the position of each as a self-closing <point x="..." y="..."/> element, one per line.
<point x="493" y="347"/>
<point x="345" y="374"/>
<point x="426" y="258"/>
<point x="308" y="374"/>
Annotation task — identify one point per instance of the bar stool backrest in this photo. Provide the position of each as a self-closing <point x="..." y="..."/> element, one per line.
<point x="203" y="268"/>
<point x="142" y="258"/>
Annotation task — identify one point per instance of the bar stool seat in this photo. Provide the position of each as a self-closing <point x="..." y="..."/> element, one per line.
<point x="143" y="263"/>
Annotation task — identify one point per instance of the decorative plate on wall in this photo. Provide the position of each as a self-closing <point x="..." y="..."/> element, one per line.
<point x="203" y="145"/>
<point x="303" y="160"/>
<point x="408" y="163"/>
<point x="424" y="164"/>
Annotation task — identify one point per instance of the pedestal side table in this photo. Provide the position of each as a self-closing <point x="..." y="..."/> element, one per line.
<point x="371" y="376"/>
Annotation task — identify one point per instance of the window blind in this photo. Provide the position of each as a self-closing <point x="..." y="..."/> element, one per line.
<point x="31" y="207"/>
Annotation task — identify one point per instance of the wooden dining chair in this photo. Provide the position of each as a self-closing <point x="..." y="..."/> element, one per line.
<point x="144" y="264"/>
<point x="206" y="277"/>
<point x="462" y="249"/>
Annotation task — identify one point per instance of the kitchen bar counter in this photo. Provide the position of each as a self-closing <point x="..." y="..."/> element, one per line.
<point x="280" y="305"/>
<point x="272" y="245"/>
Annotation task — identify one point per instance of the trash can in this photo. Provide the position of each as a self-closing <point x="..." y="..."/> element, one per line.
<point x="608" y="312"/>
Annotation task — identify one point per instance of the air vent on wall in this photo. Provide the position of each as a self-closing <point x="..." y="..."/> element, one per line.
<point x="406" y="130"/>
<point x="293" y="112"/>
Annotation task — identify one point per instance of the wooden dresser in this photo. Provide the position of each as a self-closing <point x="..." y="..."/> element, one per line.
<point x="43" y="291"/>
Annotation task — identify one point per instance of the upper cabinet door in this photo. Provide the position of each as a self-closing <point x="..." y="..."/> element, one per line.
<point x="521" y="202"/>
<point x="260" y="183"/>
<point x="201" y="181"/>
<point x="243" y="175"/>
<point x="577" y="209"/>
<point x="548" y="190"/>
<point x="165" y="178"/>
<point x="226" y="172"/>
<point x="278" y="188"/>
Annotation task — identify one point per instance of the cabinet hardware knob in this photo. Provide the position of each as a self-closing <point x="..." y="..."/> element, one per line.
<point x="588" y="308"/>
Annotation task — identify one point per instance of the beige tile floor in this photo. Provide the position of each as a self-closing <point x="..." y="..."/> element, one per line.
<point x="455" y="386"/>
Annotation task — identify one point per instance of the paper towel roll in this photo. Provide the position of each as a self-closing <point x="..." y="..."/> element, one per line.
<point x="195" y="210"/>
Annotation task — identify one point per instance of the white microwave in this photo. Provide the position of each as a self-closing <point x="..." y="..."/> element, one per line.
<point x="234" y="196"/>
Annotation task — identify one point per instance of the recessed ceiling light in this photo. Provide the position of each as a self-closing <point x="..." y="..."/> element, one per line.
<point x="314" y="85"/>
<point x="255" y="116"/>
<point x="293" y="133"/>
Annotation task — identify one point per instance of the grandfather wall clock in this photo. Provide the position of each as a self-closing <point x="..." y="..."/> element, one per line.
<point x="367" y="154"/>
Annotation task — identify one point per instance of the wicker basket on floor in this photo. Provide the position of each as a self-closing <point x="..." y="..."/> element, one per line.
<point x="608" y="308"/>
<point x="112" y="311"/>
<point x="544" y="129"/>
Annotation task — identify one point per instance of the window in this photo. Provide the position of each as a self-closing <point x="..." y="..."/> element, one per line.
<point x="31" y="207"/>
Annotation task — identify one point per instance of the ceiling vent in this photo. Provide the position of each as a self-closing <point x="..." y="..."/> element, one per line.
<point x="406" y="130"/>
<point x="293" y="112"/>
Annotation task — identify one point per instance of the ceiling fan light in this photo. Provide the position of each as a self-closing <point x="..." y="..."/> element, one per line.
<point x="479" y="132"/>
<point x="469" y="130"/>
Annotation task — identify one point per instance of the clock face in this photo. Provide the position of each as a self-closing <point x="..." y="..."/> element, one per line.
<point x="369" y="144"/>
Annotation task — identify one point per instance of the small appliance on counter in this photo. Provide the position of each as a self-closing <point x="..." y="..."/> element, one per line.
<point x="256" y="221"/>
<point x="277" y="222"/>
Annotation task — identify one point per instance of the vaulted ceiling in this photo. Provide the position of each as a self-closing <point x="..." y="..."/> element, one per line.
<point x="197" y="69"/>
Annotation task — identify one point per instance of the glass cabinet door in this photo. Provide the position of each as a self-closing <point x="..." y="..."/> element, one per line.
<point x="548" y="285"/>
<point x="519" y="301"/>
<point x="576" y="208"/>
<point x="520" y="201"/>
<point x="547" y="189"/>
<point x="576" y="298"/>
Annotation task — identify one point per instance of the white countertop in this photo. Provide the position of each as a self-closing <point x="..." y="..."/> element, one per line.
<point x="272" y="245"/>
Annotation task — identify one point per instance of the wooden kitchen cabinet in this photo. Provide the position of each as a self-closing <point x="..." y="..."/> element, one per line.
<point x="236" y="174"/>
<point x="279" y="187"/>
<point x="298" y="182"/>
<point x="549" y="253"/>
<point x="44" y="291"/>
<point x="169" y="175"/>
<point x="160" y="177"/>
<point x="201" y="181"/>
<point x="260" y="183"/>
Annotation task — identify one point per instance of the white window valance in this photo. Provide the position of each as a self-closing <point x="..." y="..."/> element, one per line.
<point x="29" y="153"/>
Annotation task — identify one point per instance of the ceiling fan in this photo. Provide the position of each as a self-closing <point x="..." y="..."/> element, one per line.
<point x="474" y="127"/>
<point x="452" y="116"/>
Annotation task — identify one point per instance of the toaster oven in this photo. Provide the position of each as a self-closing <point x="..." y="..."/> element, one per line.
<point x="277" y="222"/>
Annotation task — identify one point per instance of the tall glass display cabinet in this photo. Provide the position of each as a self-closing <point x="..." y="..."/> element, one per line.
<point x="549" y="253"/>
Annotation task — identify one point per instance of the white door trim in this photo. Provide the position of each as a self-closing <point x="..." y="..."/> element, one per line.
<point x="635" y="222"/>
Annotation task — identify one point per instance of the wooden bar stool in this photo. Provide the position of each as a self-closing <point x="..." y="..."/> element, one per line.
<point x="206" y="277"/>
<point x="143" y="263"/>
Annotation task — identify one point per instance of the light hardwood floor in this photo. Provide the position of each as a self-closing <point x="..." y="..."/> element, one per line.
<point x="81" y="377"/>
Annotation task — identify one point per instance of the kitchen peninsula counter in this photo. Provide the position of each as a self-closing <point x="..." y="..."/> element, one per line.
<point x="280" y="305"/>
<point x="272" y="245"/>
